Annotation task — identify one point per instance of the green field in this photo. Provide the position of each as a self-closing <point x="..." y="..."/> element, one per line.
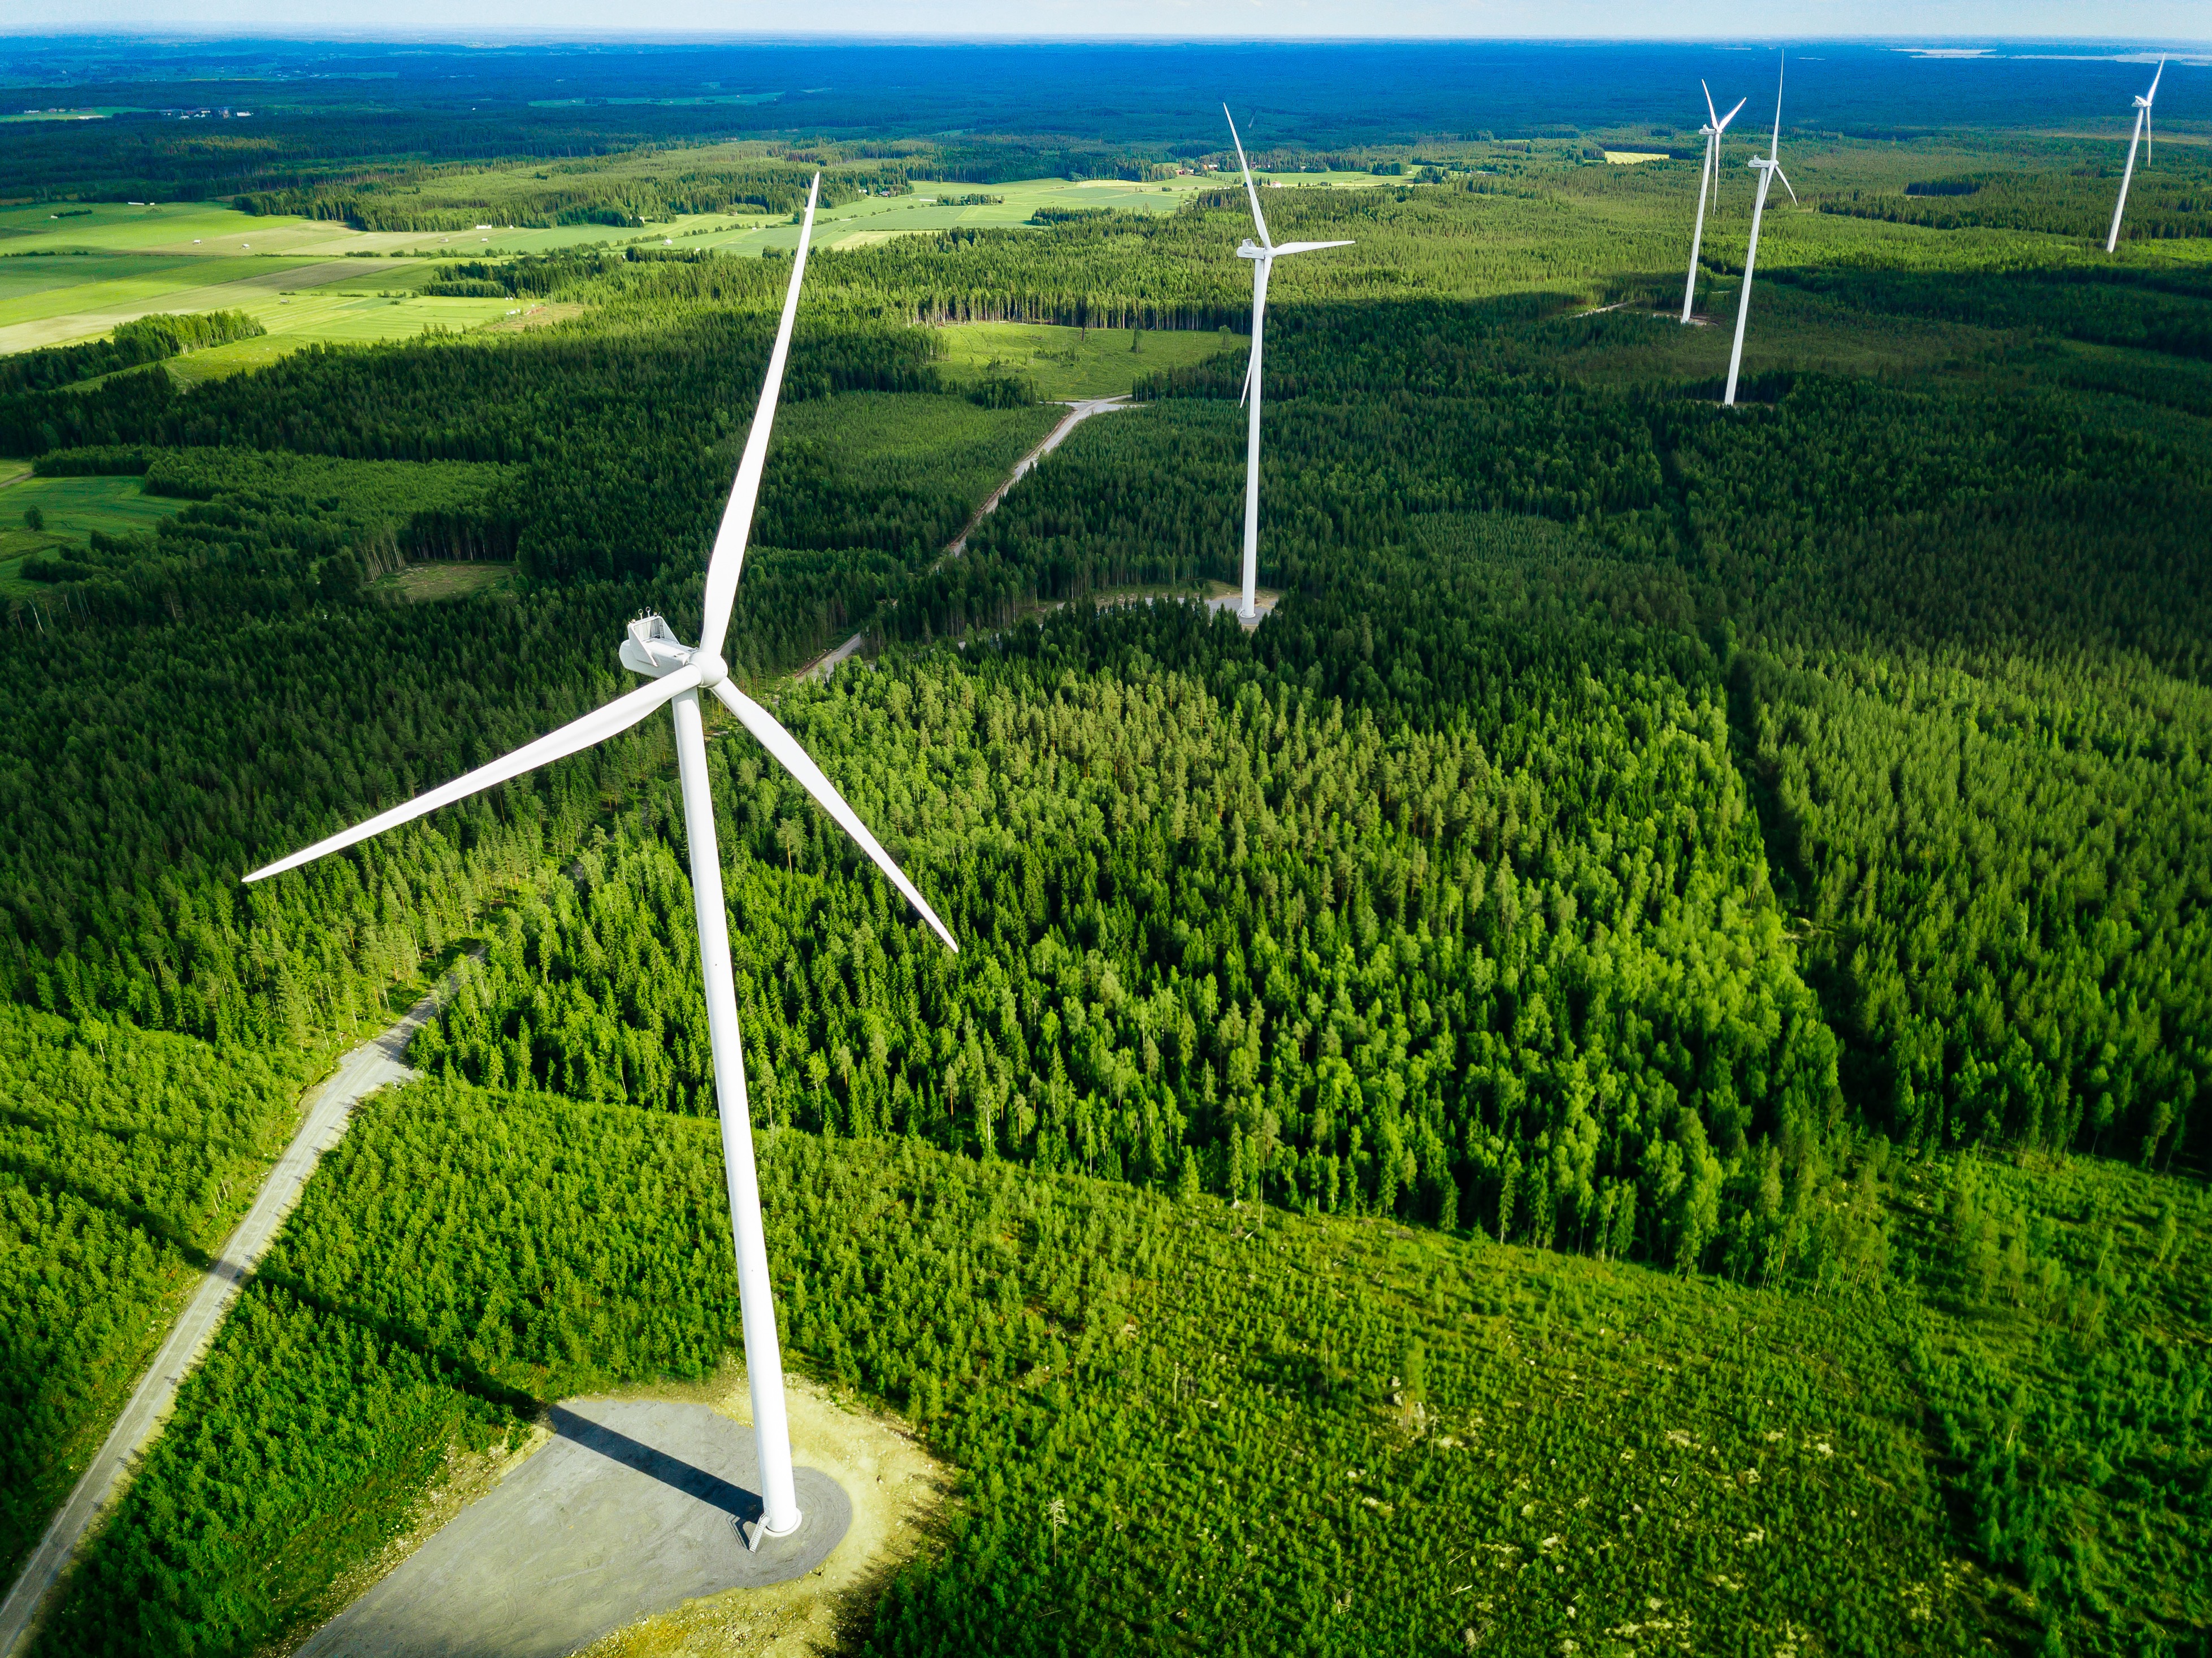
<point x="57" y="302"/>
<point x="73" y="507"/>
<point x="1072" y="362"/>
<point x="425" y="583"/>
<point x="120" y="262"/>
<point x="205" y="228"/>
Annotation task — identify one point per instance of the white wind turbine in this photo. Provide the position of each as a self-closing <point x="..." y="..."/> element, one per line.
<point x="2142" y="136"/>
<point x="1769" y="169"/>
<point x="678" y="674"/>
<point x="1707" y="175"/>
<point x="1263" y="258"/>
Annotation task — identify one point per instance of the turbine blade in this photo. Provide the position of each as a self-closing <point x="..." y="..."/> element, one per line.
<point x="1710" y="116"/>
<point x="728" y="558"/>
<point x="1785" y="177"/>
<point x="1774" y="152"/>
<point x="785" y="747"/>
<point x="1246" y="392"/>
<point x="1258" y="219"/>
<point x="1288" y="248"/>
<point x="600" y="724"/>
<point x="2152" y="96"/>
<point x="1733" y="113"/>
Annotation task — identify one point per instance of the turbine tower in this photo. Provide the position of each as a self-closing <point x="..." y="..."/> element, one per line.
<point x="1263" y="258"/>
<point x="1715" y="125"/>
<point x="2142" y="137"/>
<point x="1769" y="169"/>
<point x="678" y="674"/>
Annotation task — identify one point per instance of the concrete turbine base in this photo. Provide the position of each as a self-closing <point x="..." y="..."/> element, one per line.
<point x="634" y="1508"/>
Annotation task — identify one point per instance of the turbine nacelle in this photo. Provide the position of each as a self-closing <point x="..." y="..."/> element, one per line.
<point x="650" y="647"/>
<point x="1248" y="249"/>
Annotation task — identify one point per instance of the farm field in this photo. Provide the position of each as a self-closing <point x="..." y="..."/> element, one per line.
<point x="204" y="230"/>
<point x="296" y="300"/>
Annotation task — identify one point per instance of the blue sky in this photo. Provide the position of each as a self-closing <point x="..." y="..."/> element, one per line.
<point x="2175" y="21"/>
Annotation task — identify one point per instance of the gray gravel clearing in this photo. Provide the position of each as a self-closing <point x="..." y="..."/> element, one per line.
<point x="633" y="1508"/>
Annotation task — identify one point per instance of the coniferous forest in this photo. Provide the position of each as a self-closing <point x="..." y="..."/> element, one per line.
<point x="1632" y="1070"/>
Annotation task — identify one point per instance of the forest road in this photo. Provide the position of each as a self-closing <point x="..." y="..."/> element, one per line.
<point x="1077" y="412"/>
<point x="358" y="1074"/>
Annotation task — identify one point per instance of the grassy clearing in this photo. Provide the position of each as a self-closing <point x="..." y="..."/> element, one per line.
<point x="1790" y="329"/>
<point x="929" y="438"/>
<point x="1073" y="362"/>
<point x="424" y="583"/>
<point x="75" y="507"/>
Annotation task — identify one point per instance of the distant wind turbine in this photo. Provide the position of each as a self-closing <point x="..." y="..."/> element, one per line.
<point x="678" y="674"/>
<point x="2142" y="137"/>
<point x="1263" y="258"/>
<point x="1713" y="127"/>
<point x="1769" y="169"/>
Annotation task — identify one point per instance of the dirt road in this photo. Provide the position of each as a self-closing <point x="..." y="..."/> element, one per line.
<point x="360" y="1073"/>
<point x="822" y="666"/>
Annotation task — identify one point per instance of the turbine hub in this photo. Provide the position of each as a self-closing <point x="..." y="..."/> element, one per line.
<point x="712" y="671"/>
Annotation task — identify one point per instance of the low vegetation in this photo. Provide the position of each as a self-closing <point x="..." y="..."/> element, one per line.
<point x="1458" y="1436"/>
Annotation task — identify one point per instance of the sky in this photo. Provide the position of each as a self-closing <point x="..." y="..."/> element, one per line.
<point x="2175" y="21"/>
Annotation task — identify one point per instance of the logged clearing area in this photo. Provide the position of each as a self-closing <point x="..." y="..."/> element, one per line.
<point x="443" y="580"/>
<point x="1074" y="362"/>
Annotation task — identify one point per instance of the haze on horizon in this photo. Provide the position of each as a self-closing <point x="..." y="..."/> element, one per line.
<point x="2178" y="22"/>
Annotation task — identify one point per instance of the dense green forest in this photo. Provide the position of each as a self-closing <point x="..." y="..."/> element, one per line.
<point x="1714" y="906"/>
<point x="128" y="1155"/>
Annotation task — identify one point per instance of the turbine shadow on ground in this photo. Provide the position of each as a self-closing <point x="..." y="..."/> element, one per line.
<point x="616" y="1446"/>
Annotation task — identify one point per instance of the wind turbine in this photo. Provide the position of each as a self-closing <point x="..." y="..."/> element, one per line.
<point x="677" y="675"/>
<point x="1769" y="169"/>
<point x="2142" y="136"/>
<point x="1263" y="258"/>
<point x="1713" y="127"/>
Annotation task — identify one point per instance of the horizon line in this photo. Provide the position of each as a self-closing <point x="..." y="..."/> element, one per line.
<point x="150" y="29"/>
